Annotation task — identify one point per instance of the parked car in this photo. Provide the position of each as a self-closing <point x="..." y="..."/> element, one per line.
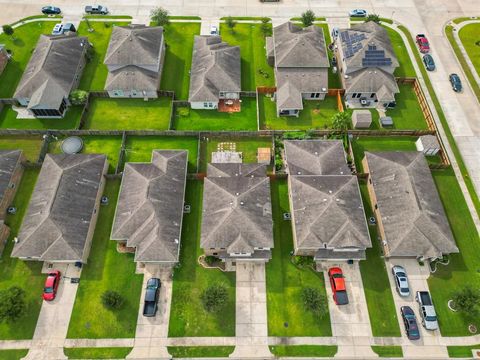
<point x="410" y="322"/>
<point x="335" y="33"/>
<point x="51" y="10"/>
<point x="213" y="30"/>
<point x="401" y="281"/>
<point x="428" y="61"/>
<point x="151" y="297"/>
<point x="60" y="29"/>
<point x="51" y="285"/>
<point x="96" y="9"/>
<point x="427" y="310"/>
<point x="422" y="43"/>
<point x="456" y="82"/>
<point x="358" y="13"/>
<point x="337" y="281"/>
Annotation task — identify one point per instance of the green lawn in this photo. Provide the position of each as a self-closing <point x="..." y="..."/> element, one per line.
<point x="315" y="115"/>
<point x="97" y="353"/>
<point x="107" y="269"/>
<point x="469" y="35"/>
<point x="24" y="41"/>
<point x="200" y="351"/>
<point x="187" y="315"/>
<point x="286" y="313"/>
<point x="463" y="267"/>
<point x="25" y="274"/>
<point x="108" y="145"/>
<point x="8" y="120"/>
<point x="212" y="120"/>
<point x="333" y="79"/>
<point x="251" y="40"/>
<point x="461" y="351"/>
<point x="246" y="145"/>
<point x="388" y="351"/>
<point x="30" y="145"/>
<point x="95" y="73"/>
<point x="304" y="350"/>
<point x="178" y="57"/>
<point x="139" y="148"/>
<point x="406" y="68"/>
<point x="13" y="354"/>
<point x="129" y="114"/>
<point x="407" y="114"/>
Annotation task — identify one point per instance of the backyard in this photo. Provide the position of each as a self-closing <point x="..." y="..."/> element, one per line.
<point x="30" y="145"/>
<point x="315" y="115"/>
<point x="8" y="120"/>
<point x="107" y="269"/>
<point x="187" y="315"/>
<point x="213" y="120"/>
<point x="128" y="114"/>
<point x="255" y="70"/>
<point x="178" y="57"/>
<point x="470" y="40"/>
<point x="285" y="281"/>
<point x="407" y="113"/>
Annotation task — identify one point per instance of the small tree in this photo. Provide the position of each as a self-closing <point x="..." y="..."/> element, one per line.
<point x="341" y="121"/>
<point x="373" y="17"/>
<point x="308" y="17"/>
<point x="265" y="25"/>
<point x="78" y="97"/>
<point x="159" y="16"/>
<point x="214" y="297"/>
<point x="314" y="302"/>
<point x="12" y="304"/>
<point x="8" y="30"/>
<point x="112" y="300"/>
<point x="467" y="301"/>
<point x="231" y="24"/>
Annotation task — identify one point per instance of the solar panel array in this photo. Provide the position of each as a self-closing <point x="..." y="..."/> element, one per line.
<point x="352" y="42"/>
<point x="374" y="57"/>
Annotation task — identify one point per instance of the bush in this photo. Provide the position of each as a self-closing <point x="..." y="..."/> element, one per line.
<point x="78" y="97"/>
<point x="373" y="17"/>
<point x="8" y="30"/>
<point x="314" y="302"/>
<point x="112" y="300"/>
<point x="214" y="297"/>
<point x="308" y="17"/>
<point x="341" y="121"/>
<point x="230" y="23"/>
<point x="303" y="260"/>
<point x="159" y="16"/>
<point x="12" y="304"/>
<point x="467" y="301"/>
<point x="210" y="260"/>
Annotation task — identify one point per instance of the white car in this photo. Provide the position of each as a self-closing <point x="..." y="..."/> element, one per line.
<point x="401" y="281"/>
<point x="213" y="30"/>
<point x="358" y="13"/>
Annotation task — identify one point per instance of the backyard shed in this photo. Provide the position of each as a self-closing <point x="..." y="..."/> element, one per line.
<point x="361" y="119"/>
<point x="428" y="144"/>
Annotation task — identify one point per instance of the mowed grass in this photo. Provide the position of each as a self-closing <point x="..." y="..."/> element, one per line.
<point x="30" y="145"/>
<point x="95" y="72"/>
<point x="129" y="114"/>
<point x="106" y="269"/>
<point x="406" y="68"/>
<point x="461" y="351"/>
<point x="200" y="351"/>
<point x="470" y="37"/>
<point x="255" y="70"/>
<point x="97" y="353"/>
<point x="286" y="313"/>
<point x="388" y="351"/>
<point x="407" y="114"/>
<point x="315" y="115"/>
<point x="21" y="45"/>
<point x="16" y="354"/>
<point x="25" y="274"/>
<point x="212" y="120"/>
<point x="463" y="268"/>
<point x="178" y="57"/>
<point x="71" y="120"/>
<point x="99" y="144"/>
<point x="187" y="315"/>
<point x="326" y="351"/>
<point x="139" y="148"/>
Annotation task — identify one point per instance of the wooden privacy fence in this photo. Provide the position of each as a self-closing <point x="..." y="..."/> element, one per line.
<point x="266" y="89"/>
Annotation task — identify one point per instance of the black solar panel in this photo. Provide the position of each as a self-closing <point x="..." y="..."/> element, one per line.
<point x="352" y="42"/>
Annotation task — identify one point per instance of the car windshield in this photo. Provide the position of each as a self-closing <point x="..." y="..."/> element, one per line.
<point x="337" y="276"/>
<point x="48" y="290"/>
<point x="401" y="274"/>
<point x="431" y="318"/>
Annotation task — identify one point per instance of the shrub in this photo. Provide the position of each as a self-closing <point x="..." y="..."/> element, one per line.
<point x="78" y="97"/>
<point x="210" y="260"/>
<point x="467" y="301"/>
<point x="314" y="302"/>
<point x="308" y="17"/>
<point x="12" y="304"/>
<point x="373" y="17"/>
<point x="8" y="30"/>
<point x="159" y="16"/>
<point x="302" y="260"/>
<point x="231" y="23"/>
<point x="341" y="121"/>
<point x="112" y="300"/>
<point x="214" y="297"/>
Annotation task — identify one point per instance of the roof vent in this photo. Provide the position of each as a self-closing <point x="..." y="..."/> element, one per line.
<point x="176" y="241"/>
<point x="237" y="193"/>
<point x="242" y="203"/>
<point x="316" y="152"/>
<point x="299" y="173"/>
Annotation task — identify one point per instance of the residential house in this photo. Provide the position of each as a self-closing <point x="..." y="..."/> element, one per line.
<point x="3" y="58"/>
<point x="237" y="213"/>
<point x="327" y="214"/>
<point x="54" y="70"/>
<point x="410" y="216"/>
<point x="366" y="61"/>
<point x="134" y="60"/>
<point x="60" y="221"/>
<point x="300" y="59"/>
<point x="150" y="207"/>
<point x="215" y="80"/>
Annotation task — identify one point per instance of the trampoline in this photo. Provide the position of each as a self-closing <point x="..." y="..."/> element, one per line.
<point x="72" y="145"/>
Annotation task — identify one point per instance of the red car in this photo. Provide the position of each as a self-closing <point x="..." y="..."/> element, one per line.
<point x="51" y="285"/>
<point x="337" y="281"/>
<point x="422" y="43"/>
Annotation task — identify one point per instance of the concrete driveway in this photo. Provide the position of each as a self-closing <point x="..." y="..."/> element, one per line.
<point x="152" y="332"/>
<point x="429" y="343"/>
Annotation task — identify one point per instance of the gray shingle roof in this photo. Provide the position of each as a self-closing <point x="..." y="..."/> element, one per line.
<point x="132" y="78"/>
<point x="236" y="208"/>
<point x="412" y="214"/>
<point x="52" y="69"/>
<point x="315" y="157"/>
<point x="373" y="80"/>
<point x="55" y="227"/>
<point x="215" y="68"/>
<point x="8" y="162"/>
<point x="150" y="206"/>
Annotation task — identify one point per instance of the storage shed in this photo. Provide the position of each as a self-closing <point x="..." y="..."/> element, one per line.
<point x="361" y="119"/>
<point x="428" y="144"/>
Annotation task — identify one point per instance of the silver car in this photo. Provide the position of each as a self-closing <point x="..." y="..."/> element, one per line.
<point x="401" y="281"/>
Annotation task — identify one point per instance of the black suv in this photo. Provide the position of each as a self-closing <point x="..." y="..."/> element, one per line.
<point x="456" y="82"/>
